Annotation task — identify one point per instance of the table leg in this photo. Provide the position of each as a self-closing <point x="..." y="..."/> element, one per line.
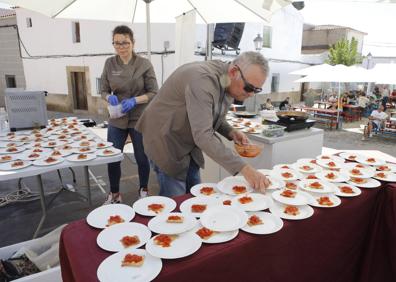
<point x="43" y="206"/>
<point x="86" y="173"/>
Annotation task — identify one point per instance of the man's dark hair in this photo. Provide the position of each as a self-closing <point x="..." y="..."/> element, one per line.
<point x="125" y="30"/>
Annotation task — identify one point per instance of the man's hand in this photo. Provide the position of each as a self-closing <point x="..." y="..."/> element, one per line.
<point x="112" y="100"/>
<point x="239" y="137"/>
<point x="128" y="104"/>
<point x="256" y="179"/>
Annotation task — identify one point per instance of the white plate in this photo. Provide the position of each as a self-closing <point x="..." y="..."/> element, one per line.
<point x="109" y="239"/>
<point x="223" y="218"/>
<point x="101" y="152"/>
<point x="327" y="186"/>
<point x="84" y="150"/>
<point x="41" y="151"/>
<point x="356" y="191"/>
<point x="330" y="157"/>
<point x="141" y="206"/>
<point x="301" y="198"/>
<point x="330" y="164"/>
<point x="371" y="183"/>
<point x="160" y="225"/>
<point x="251" y="130"/>
<point x="84" y="137"/>
<point x="387" y="167"/>
<point x="102" y="145"/>
<point x="11" y="144"/>
<point x="227" y="183"/>
<point x="282" y="166"/>
<point x="281" y="174"/>
<point x="367" y="161"/>
<point x="307" y="167"/>
<point x="42" y="162"/>
<point x="110" y="269"/>
<point x="260" y="202"/>
<point x="185" y="207"/>
<point x="350" y="156"/>
<point x="237" y="125"/>
<point x="338" y="177"/>
<point x="25" y="156"/>
<point x="64" y="153"/>
<point x="60" y="137"/>
<point x="358" y="166"/>
<point x="217" y="237"/>
<point x="314" y="202"/>
<point x="84" y="143"/>
<point x="364" y="173"/>
<point x="13" y="157"/>
<point x="276" y="183"/>
<point x="307" y="161"/>
<point x="98" y="218"/>
<point x="185" y="244"/>
<point x="8" y="166"/>
<point x="54" y="143"/>
<point x="74" y="158"/>
<point x="196" y="190"/>
<point x="293" y="188"/>
<point x="4" y="151"/>
<point x="271" y="224"/>
<point x="389" y="176"/>
<point x="278" y="210"/>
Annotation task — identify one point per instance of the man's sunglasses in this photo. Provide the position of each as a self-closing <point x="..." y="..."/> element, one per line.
<point x="248" y="87"/>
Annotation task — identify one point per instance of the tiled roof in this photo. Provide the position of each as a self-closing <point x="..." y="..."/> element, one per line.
<point x="5" y="13"/>
<point x="332" y="27"/>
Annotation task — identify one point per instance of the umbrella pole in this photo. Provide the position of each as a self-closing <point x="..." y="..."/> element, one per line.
<point x="339" y="106"/>
<point x="148" y="28"/>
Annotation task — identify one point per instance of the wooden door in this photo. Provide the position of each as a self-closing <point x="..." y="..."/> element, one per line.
<point x="79" y="90"/>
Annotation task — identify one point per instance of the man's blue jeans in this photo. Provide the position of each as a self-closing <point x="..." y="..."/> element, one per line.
<point x="171" y="187"/>
<point x="118" y="136"/>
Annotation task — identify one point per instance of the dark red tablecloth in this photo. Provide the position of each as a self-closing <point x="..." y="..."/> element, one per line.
<point x="353" y="242"/>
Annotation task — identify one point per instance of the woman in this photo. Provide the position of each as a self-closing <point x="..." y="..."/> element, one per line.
<point x="130" y="80"/>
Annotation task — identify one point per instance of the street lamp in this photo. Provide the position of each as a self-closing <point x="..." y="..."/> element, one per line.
<point x="258" y="42"/>
<point x="369" y="58"/>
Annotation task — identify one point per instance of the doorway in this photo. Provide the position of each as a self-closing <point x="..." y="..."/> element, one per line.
<point x="79" y="90"/>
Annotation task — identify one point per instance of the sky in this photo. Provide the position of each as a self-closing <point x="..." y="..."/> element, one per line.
<point x="374" y="17"/>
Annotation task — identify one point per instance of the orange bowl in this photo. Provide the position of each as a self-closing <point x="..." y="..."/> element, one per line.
<point x="249" y="150"/>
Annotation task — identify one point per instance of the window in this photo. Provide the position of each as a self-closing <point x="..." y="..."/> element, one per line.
<point x="10" y="81"/>
<point x="267" y="37"/>
<point x="29" y="22"/>
<point x="76" y="32"/>
<point x="98" y="85"/>
<point x="275" y="82"/>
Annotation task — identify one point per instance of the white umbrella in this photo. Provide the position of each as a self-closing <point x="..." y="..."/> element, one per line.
<point x="384" y="73"/>
<point x="311" y="69"/>
<point x="337" y="73"/>
<point x="209" y="11"/>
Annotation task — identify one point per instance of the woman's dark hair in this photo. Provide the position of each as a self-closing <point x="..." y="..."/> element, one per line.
<point x="123" y="29"/>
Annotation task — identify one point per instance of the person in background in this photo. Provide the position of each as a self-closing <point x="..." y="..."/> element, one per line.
<point x="284" y="105"/>
<point x="192" y="105"/>
<point x="130" y="80"/>
<point x="363" y="102"/>
<point x="268" y="105"/>
<point x="385" y="96"/>
<point x="376" y="122"/>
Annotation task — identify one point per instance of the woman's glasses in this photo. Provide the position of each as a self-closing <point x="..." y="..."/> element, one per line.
<point x="248" y="87"/>
<point x="124" y="44"/>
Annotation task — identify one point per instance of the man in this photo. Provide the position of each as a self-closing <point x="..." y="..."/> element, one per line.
<point x="190" y="108"/>
<point x="376" y="121"/>
<point x="284" y="105"/>
<point x="363" y="101"/>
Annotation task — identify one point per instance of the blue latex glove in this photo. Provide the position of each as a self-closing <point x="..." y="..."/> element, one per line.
<point x="113" y="100"/>
<point x="128" y="104"/>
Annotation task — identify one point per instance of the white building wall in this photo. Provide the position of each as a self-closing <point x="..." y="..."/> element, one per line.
<point x="54" y="37"/>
